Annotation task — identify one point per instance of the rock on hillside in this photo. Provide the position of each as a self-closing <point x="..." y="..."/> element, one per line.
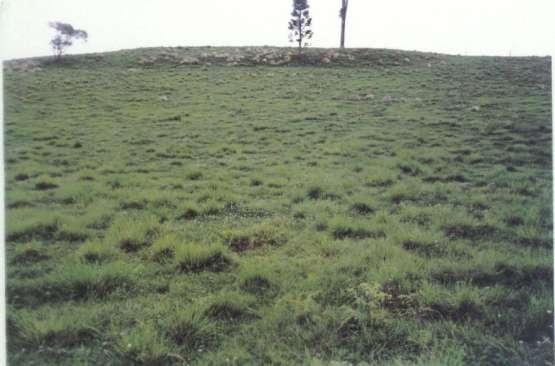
<point x="233" y="56"/>
<point x="271" y="56"/>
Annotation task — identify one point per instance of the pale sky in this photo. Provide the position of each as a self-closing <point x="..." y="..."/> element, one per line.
<point x="467" y="27"/>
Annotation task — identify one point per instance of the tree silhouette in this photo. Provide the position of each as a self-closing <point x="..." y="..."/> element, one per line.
<point x="300" y="23"/>
<point x="64" y="37"/>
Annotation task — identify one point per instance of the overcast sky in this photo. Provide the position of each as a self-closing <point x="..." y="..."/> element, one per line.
<point x="476" y="27"/>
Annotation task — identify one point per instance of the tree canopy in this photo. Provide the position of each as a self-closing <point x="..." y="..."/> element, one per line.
<point x="64" y="37"/>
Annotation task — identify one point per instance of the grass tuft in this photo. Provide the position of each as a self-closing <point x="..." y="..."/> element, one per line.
<point x="191" y="330"/>
<point x="198" y="258"/>
<point x="75" y="282"/>
<point x="30" y="253"/>
<point x="361" y="208"/>
<point x="262" y="234"/>
<point x="96" y="252"/>
<point x="45" y="185"/>
<point x="65" y="328"/>
<point x="163" y="249"/>
<point x="132" y="233"/>
<point x="230" y="307"/>
<point x="144" y="345"/>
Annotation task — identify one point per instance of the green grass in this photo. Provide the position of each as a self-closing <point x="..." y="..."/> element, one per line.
<point x="167" y="207"/>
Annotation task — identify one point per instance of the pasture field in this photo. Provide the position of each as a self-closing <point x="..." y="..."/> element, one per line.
<point x="387" y="209"/>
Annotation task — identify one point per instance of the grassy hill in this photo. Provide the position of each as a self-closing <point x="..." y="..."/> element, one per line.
<point x="248" y="206"/>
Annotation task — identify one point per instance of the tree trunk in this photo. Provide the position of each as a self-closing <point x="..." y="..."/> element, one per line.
<point x="342" y="45"/>
<point x="300" y="31"/>
<point x="343" y="15"/>
<point x="58" y="55"/>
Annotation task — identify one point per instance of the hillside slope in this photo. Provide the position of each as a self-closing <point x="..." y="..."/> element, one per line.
<point x="213" y="206"/>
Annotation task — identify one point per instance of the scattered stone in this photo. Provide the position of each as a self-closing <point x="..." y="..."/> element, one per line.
<point x="234" y="59"/>
<point x="24" y="66"/>
<point x="189" y="61"/>
<point x="146" y="61"/>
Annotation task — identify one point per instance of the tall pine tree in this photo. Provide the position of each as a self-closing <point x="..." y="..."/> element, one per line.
<point x="300" y="23"/>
